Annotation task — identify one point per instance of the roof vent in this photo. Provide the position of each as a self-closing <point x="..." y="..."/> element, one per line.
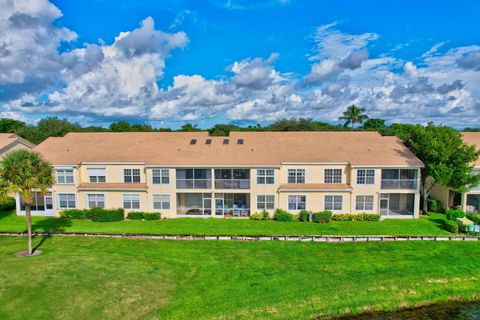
<point x="240" y="141"/>
<point x="193" y="141"/>
<point x="225" y="141"/>
<point x="208" y="141"/>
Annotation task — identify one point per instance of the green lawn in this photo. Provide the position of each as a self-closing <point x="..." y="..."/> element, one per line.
<point x="99" y="278"/>
<point x="425" y="226"/>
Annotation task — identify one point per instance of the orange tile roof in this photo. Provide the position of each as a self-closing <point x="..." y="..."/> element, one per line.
<point x="314" y="186"/>
<point x="258" y="148"/>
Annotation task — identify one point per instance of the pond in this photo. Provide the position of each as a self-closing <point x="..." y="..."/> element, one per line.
<point x="447" y="311"/>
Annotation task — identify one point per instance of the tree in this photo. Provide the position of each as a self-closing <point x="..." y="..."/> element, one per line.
<point x="447" y="159"/>
<point x="353" y="115"/>
<point x="301" y="124"/>
<point x="48" y="127"/>
<point x="188" y="127"/>
<point x="223" y="129"/>
<point x="120" y="126"/>
<point x="374" y="124"/>
<point x="25" y="172"/>
<point x="10" y="125"/>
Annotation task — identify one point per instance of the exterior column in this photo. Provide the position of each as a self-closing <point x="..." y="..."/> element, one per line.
<point x="212" y="192"/>
<point x="464" y="202"/>
<point x="416" y="207"/>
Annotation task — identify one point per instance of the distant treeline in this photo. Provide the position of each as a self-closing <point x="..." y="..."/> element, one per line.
<point x="55" y="127"/>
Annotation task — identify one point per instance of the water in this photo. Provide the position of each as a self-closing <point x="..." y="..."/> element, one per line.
<point x="447" y="311"/>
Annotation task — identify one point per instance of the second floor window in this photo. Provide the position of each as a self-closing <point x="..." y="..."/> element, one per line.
<point x="131" y="175"/>
<point x="265" y="176"/>
<point x="296" y="175"/>
<point x="333" y="176"/>
<point x="365" y="176"/>
<point x="64" y="176"/>
<point x="97" y="174"/>
<point x="160" y="176"/>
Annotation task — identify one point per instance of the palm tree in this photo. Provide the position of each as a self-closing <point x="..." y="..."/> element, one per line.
<point x="24" y="172"/>
<point x="353" y="115"/>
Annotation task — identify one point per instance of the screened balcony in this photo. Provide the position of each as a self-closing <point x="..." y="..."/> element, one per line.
<point x="232" y="179"/>
<point x="395" y="204"/>
<point x="194" y="204"/>
<point x="232" y="204"/>
<point x="194" y="179"/>
<point x="399" y="179"/>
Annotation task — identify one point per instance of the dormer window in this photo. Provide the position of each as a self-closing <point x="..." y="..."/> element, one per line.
<point x="225" y="141"/>
<point x="240" y="141"/>
<point x="208" y="141"/>
<point x="193" y="141"/>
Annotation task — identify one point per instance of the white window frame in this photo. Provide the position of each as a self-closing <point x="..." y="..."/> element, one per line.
<point x="265" y="202"/>
<point x="265" y="176"/>
<point x="61" y="174"/>
<point x="96" y="200"/>
<point x="163" y="176"/>
<point x="365" y="176"/>
<point x="331" y="201"/>
<point x="129" y="198"/>
<point x="297" y="202"/>
<point x="68" y="206"/>
<point x="99" y="174"/>
<point x="163" y="201"/>
<point x="296" y="176"/>
<point x="363" y="203"/>
<point x="131" y="175"/>
<point x="332" y="176"/>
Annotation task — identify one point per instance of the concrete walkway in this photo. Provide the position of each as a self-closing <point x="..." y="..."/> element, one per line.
<point x="318" y="238"/>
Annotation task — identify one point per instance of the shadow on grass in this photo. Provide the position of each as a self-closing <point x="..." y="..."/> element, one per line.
<point x="50" y="225"/>
<point x="6" y="213"/>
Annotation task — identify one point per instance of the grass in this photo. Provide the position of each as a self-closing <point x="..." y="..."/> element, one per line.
<point x="425" y="226"/>
<point x="99" y="278"/>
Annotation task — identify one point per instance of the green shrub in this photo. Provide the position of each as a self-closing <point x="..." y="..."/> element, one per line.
<point x="256" y="216"/>
<point x="282" y="215"/>
<point x="474" y="217"/>
<point x="303" y="215"/>
<point x="106" y="215"/>
<point x="322" y="217"/>
<point x="135" y="215"/>
<point x="434" y="205"/>
<point x="151" y="215"/>
<point x="344" y="217"/>
<point x="265" y="215"/>
<point x="75" y="214"/>
<point x="451" y="226"/>
<point x="453" y="214"/>
<point x="368" y="217"/>
<point x="9" y="204"/>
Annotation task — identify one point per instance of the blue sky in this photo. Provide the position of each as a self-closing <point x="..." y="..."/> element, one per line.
<point x="205" y="62"/>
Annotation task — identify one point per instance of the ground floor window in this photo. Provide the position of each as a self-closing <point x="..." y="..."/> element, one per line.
<point x="333" y="203"/>
<point x="66" y="201"/>
<point x="265" y="202"/>
<point x="297" y="202"/>
<point x="473" y="203"/>
<point x="131" y="201"/>
<point x="40" y="202"/>
<point x="96" y="200"/>
<point x="161" y="201"/>
<point x="364" y="203"/>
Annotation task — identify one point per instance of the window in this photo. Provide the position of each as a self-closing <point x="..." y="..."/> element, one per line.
<point x="208" y="141"/>
<point x="265" y="202"/>
<point x="160" y="176"/>
<point x="333" y="176"/>
<point x="365" y="176"/>
<point x="64" y="176"/>
<point x="131" y="201"/>
<point x="96" y="174"/>
<point x="131" y="175"/>
<point x="66" y="201"/>
<point x="240" y="141"/>
<point x="364" y="203"/>
<point x="96" y="200"/>
<point x="297" y="202"/>
<point x="399" y="178"/>
<point x="161" y="201"/>
<point x="193" y="141"/>
<point x="225" y="141"/>
<point x="40" y="202"/>
<point x="296" y="175"/>
<point x="265" y="176"/>
<point x="333" y="202"/>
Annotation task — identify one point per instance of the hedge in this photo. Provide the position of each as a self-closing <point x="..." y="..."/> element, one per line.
<point x="474" y="217"/>
<point x="151" y="215"/>
<point x="356" y="217"/>
<point x="453" y="214"/>
<point x="8" y="205"/>
<point x="322" y="217"/>
<point x="434" y="205"/>
<point x="451" y="226"/>
<point x="106" y="215"/>
<point x="282" y="215"/>
<point x="75" y="214"/>
<point x="303" y="215"/>
<point x="135" y="215"/>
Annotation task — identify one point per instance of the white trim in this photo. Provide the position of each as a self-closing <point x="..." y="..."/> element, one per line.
<point x="113" y="162"/>
<point x="307" y="163"/>
<point x="315" y="190"/>
<point x="112" y="189"/>
<point x="211" y="166"/>
<point x="389" y="166"/>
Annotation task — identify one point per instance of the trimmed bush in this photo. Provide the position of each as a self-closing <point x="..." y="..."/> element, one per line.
<point x="344" y="217"/>
<point x="303" y="215"/>
<point x="256" y="216"/>
<point x="265" y="215"/>
<point x="451" y="226"/>
<point x="135" y="215"/>
<point x="9" y="204"/>
<point x="322" y="217"/>
<point x="282" y="215"/>
<point x="453" y="214"/>
<point x="368" y="217"/>
<point x="474" y="217"/>
<point x="434" y="205"/>
<point x="151" y="215"/>
<point x="75" y="214"/>
<point x="106" y="215"/>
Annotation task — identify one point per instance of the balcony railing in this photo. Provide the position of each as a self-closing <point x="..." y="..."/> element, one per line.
<point x="194" y="184"/>
<point x="232" y="183"/>
<point x="233" y="212"/>
<point x="393" y="184"/>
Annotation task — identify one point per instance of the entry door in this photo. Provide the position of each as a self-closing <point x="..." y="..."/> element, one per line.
<point x="207" y="206"/>
<point x="219" y="207"/>
<point x="384" y="203"/>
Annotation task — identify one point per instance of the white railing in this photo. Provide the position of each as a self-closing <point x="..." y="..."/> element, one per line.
<point x="232" y="183"/>
<point x="399" y="184"/>
<point x="194" y="183"/>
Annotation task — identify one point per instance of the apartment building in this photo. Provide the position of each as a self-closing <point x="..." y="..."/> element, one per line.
<point x="192" y="174"/>
<point x="10" y="142"/>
